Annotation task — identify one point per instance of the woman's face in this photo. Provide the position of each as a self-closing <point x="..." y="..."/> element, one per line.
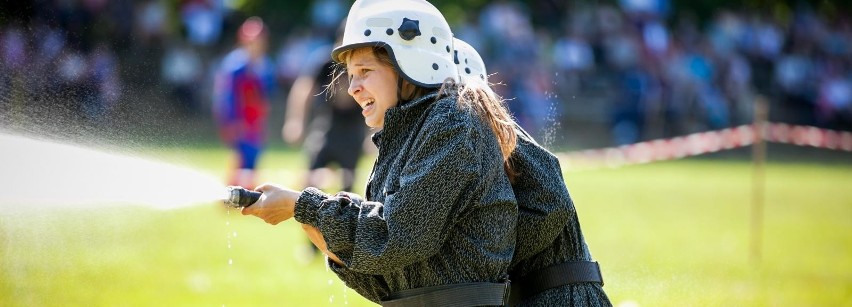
<point x="373" y="85"/>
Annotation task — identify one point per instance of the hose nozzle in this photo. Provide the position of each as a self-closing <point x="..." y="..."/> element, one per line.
<point x="238" y="197"/>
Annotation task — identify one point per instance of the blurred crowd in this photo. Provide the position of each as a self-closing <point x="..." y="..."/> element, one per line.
<point x="49" y="54"/>
<point x="652" y="72"/>
<point x="668" y="74"/>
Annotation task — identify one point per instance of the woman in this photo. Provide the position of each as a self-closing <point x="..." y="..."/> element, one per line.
<point x="437" y="223"/>
<point x="552" y="265"/>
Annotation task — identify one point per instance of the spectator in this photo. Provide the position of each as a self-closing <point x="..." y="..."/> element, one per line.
<point x="335" y="128"/>
<point x="202" y="20"/>
<point x="335" y="124"/>
<point x="103" y="73"/>
<point x="244" y="83"/>
<point x="181" y="71"/>
<point x="151" y="22"/>
<point x="834" y="101"/>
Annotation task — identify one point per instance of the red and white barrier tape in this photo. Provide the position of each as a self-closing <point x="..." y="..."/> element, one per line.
<point x="705" y="142"/>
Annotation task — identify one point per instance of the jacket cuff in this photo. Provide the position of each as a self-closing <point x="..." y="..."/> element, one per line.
<point x="342" y="272"/>
<point x="307" y="206"/>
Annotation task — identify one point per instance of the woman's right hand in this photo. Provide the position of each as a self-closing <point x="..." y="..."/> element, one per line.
<point x="277" y="204"/>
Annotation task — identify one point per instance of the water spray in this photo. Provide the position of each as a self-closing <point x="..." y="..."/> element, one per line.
<point x="239" y="197"/>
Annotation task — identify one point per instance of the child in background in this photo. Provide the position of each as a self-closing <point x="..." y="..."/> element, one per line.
<point x="243" y="87"/>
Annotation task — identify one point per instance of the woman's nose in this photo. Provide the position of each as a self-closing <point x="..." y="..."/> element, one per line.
<point x="354" y="87"/>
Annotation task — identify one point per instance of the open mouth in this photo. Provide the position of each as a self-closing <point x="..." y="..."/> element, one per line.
<point x="367" y="108"/>
<point x="369" y="103"/>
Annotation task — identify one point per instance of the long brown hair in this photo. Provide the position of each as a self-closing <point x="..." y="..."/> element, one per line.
<point x="489" y="106"/>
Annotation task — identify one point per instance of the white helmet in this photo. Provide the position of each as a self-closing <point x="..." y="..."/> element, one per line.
<point x="414" y="33"/>
<point x="469" y="63"/>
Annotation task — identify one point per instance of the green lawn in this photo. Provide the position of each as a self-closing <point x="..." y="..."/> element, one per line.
<point x="666" y="234"/>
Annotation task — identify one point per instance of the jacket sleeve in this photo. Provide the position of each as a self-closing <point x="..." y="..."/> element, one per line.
<point x="544" y="205"/>
<point x="411" y="224"/>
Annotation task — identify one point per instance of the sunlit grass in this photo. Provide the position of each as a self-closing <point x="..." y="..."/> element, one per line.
<point x="678" y="233"/>
<point x="666" y="234"/>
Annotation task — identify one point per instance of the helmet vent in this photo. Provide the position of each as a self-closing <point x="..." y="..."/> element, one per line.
<point x="439" y="32"/>
<point x="409" y="29"/>
<point x="377" y="22"/>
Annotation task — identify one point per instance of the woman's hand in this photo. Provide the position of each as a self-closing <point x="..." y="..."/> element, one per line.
<point x="277" y="204"/>
<point x="319" y="241"/>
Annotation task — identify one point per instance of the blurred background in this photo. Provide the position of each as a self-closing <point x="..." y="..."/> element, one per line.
<point x="579" y="74"/>
<point x="138" y="76"/>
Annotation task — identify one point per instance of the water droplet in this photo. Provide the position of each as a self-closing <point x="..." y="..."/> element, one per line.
<point x="345" y="296"/>
<point x="227" y="223"/>
<point x="330" y="281"/>
<point x="235" y="234"/>
<point x="331" y="299"/>
<point x="230" y="261"/>
<point x="229" y="244"/>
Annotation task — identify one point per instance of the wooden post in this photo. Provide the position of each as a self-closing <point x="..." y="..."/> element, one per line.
<point x="761" y="110"/>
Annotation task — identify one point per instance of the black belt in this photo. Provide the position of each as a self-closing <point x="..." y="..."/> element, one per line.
<point x="467" y="294"/>
<point x="554" y="276"/>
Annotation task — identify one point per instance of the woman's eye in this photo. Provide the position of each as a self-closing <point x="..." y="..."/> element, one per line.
<point x="359" y="73"/>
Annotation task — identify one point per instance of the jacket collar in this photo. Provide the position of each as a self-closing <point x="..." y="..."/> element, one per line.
<point x="398" y="118"/>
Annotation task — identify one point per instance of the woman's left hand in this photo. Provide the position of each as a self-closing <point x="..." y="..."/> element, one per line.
<point x="317" y="239"/>
<point x="277" y="204"/>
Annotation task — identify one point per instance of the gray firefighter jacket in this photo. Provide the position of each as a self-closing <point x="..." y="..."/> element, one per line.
<point x="548" y="227"/>
<point x="438" y="209"/>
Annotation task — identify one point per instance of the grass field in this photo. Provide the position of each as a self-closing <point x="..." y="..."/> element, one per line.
<point x="666" y="234"/>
